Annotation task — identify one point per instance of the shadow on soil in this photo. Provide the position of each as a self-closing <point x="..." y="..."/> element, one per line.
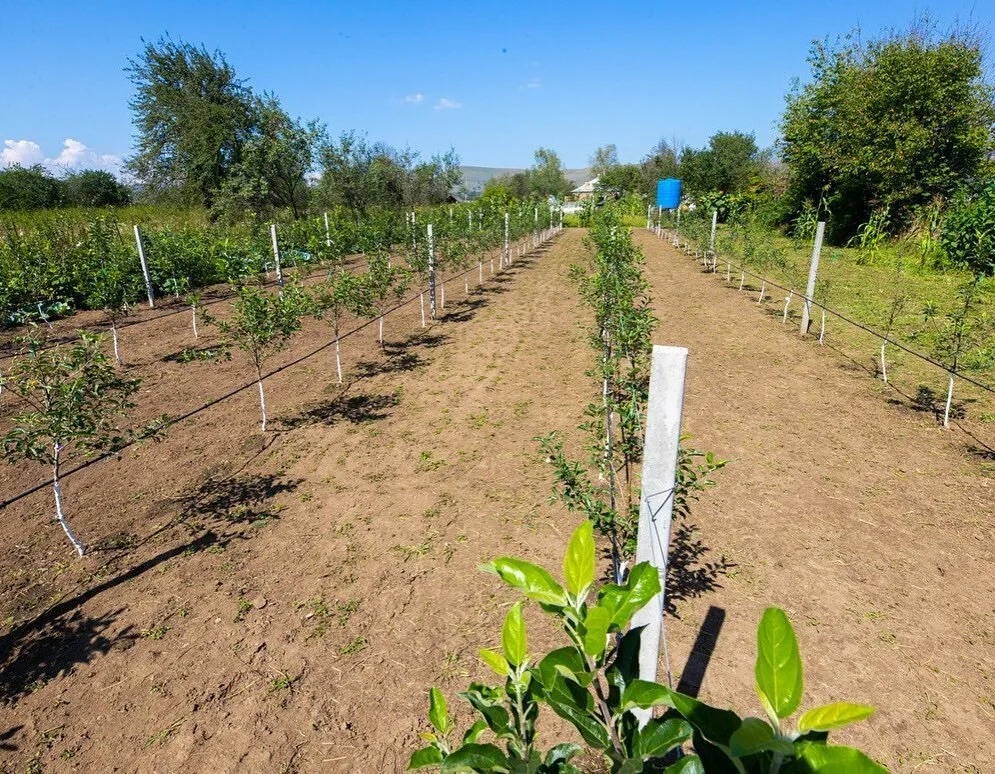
<point x="354" y="409"/>
<point x="688" y="576"/>
<point x="701" y="652"/>
<point x="61" y="638"/>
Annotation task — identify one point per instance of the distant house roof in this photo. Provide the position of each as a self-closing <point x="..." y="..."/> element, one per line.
<point x="587" y="187"/>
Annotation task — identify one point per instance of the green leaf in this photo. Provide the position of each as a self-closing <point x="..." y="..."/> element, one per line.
<point x="814" y="758"/>
<point x="659" y="736"/>
<point x="473" y="732"/>
<point x="562" y="753"/>
<point x="779" y="666"/>
<point x="754" y="736"/>
<point x="830" y="716"/>
<point x="483" y="758"/>
<point x="488" y="702"/>
<point x="595" y="632"/>
<point x="537" y="584"/>
<point x="622" y="602"/>
<point x="689" y="764"/>
<point x="567" y="662"/>
<point x="427" y="756"/>
<point x="438" y="714"/>
<point x="714" y="724"/>
<point x="495" y="661"/>
<point x="578" y="563"/>
<point x="513" y="636"/>
<point x="644" y="694"/>
<point x="630" y="766"/>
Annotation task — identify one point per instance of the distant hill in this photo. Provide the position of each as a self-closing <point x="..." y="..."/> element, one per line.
<point x="476" y="177"/>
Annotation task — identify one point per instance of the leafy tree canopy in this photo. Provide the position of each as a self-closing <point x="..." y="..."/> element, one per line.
<point x="887" y="123"/>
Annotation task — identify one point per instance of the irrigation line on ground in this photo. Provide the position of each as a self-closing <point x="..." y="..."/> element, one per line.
<point x="855" y="323"/>
<point x="232" y="393"/>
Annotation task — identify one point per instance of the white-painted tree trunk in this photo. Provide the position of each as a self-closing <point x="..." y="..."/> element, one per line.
<point x="338" y="359"/>
<point x="60" y="515"/>
<point x="117" y="352"/>
<point x="950" y="400"/>
<point x="763" y="290"/>
<point x="262" y="395"/>
<point x="787" y="303"/>
<point x="421" y="301"/>
<point x="380" y="332"/>
<point x="193" y="320"/>
<point x="742" y="279"/>
<point x="822" y="329"/>
<point x="884" y="364"/>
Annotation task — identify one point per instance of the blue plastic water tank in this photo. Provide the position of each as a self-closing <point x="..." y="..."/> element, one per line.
<point x="668" y="193"/>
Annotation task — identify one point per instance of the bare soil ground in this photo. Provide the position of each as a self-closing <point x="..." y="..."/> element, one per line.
<point x="283" y="602"/>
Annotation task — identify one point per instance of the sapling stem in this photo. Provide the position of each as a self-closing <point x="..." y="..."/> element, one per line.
<point x="442" y="295"/>
<point x="822" y="328"/>
<point x="117" y="353"/>
<point x="884" y="365"/>
<point x="338" y="359"/>
<point x="763" y="289"/>
<point x="787" y="303"/>
<point x="380" y="334"/>
<point x="728" y="272"/>
<point x="193" y="318"/>
<point x="950" y="398"/>
<point x="421" y="302"/>
<point x="742" y="279"/>
<point x="262" y="395"/>
<point x="59" y="514"/>
<point x="480" y="272"/>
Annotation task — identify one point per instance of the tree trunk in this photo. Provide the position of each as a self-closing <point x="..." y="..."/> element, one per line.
<point x="59" y="515"/>
<point x="262" y="395"/>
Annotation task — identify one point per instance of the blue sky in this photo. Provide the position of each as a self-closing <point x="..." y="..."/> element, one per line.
<point x="492" y="80"/>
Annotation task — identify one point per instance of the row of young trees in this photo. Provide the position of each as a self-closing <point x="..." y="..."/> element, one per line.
<point x="73" y="396"/>
<point x="592" y="681"/>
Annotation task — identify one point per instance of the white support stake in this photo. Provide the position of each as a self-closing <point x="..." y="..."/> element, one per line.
<point x="276" y="255"/>
<point x="328" y="233"/>
<point x="659" y="476"/>
<point x="145" y="266"/>
<point x="813" y="269"/>
<point x="715" y="221"/>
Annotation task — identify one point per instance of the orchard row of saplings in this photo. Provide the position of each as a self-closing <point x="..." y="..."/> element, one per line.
<point x="72" y="396"/>
<point x="593" y="681"/>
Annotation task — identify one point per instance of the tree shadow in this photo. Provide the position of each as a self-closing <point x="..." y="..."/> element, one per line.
<point x="354" y="409"/>
<point x="198" y="354"/>
<point x="216" y="504"/>
<point x="929" y="401"/>
<point x="700" y="656"/>
<point x="689" y="575"/>
<point x="55" y="648"/>
<point x="10" y="733"/>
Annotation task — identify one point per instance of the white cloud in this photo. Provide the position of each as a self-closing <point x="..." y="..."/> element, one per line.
<point x="534" y="83"/>
<point x="23" y="152"/>
<point x="414" y="99"/>
<point x="73" y="156"/>
<point x="448" y="104"/>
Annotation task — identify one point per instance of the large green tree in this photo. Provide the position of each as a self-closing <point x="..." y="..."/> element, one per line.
<point x="192" y="116"/>
<point x="891" y="122"/>
<point x="274" y="163"/>
<point x="546" y="176"/>
<point x="27" y="188"/>
<point x="93" y="188"/>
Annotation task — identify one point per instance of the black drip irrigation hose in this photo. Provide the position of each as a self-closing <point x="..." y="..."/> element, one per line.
<point x="215" y="401"/>
<point x="855" y="323"/>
